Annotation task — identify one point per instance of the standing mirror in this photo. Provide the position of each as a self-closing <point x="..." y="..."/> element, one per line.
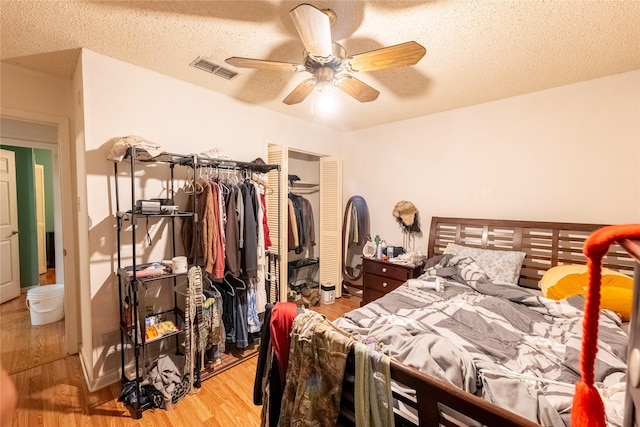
<point x="355" y="235"/>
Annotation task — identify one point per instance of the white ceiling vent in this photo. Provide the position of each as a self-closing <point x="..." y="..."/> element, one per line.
<point x="210" y="67"/>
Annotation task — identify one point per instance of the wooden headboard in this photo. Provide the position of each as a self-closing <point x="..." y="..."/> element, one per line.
<point x="546" y="244"/>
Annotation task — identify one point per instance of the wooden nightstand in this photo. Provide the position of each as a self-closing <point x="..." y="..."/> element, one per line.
<point x="381" y="277"/>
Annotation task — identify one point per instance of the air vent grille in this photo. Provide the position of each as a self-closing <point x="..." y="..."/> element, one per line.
<point x="215" y="69"/>
<point x="225" y="73"/>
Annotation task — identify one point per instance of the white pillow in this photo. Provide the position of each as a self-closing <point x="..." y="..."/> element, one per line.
<point x="500" y="266"/>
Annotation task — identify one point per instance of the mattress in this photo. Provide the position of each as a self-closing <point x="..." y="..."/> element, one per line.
<point x="504" y="343"/>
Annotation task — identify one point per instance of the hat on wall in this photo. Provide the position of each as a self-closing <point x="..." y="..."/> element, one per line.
<point x="588" y="409"/>
<point x="405" y="212"/>
<point x="407" y="216"/>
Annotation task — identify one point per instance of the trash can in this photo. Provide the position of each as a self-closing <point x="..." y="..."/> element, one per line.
<point x="327" y="294"/>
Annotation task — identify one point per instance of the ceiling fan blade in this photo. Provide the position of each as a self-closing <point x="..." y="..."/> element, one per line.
<point x="408" y="53"/>
<point x="356" y="88"/>
<point x="314" y="28"/>
<point x="300" y="92"/>
<point x="261" y="64"/>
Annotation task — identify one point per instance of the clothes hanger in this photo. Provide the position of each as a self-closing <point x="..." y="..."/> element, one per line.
<point x="231" y="289"/>
<point x="244" y="285"/>
<point x="258" y="180"/>
<point x="189" y="187"/>
<point x="221" y="183"/>
<point x="210" y="291"/>
<point x="208" y="283"/>
<point x="246" y="175"/>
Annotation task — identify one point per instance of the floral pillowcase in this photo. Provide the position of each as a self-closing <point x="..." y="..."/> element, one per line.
<point x="501" y="266"/>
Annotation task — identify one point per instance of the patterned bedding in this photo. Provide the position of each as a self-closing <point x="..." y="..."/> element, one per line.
<point x="504" y="343"/>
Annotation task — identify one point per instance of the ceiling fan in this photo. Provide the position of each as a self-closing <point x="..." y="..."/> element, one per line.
<point x="328" y="61"/>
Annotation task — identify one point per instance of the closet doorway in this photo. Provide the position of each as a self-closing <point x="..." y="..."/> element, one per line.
<point x="319" y="180"/>
<point x="35" y="149"/>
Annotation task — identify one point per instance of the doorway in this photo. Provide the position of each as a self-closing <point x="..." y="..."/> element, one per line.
<point x="23" y="345"/>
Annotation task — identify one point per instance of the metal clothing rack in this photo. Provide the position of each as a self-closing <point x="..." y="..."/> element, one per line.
<point x="130" y="280"/>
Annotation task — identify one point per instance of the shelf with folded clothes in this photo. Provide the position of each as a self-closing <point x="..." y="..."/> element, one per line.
<point x="136" y="149"/>
<point x="147" y="154"/>
<point x="199" y="160"/>
<point x="128" y="215"/>
<point x="148" y="272"/>
<point x="304" y="184"/>
<point x="300" y="187"/>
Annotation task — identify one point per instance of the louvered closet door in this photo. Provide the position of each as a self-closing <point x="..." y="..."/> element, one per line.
<point x="277" y="203"/>
<point x="331" y="222"/>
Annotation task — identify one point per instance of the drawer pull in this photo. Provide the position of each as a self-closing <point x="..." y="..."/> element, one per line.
<point x="384" y="269"/>
<point x="384" y="284"/>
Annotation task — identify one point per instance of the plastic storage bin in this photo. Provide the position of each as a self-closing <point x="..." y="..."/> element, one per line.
<point x="46" y="304"/>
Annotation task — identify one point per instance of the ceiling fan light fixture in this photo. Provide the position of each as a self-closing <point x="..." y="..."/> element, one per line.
<point x="324" y="58"/>
<point x="323" y="87"/>
<point x="325" y="103"/>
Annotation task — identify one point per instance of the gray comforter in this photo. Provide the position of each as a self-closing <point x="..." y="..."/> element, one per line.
<point x="501" y="342"/>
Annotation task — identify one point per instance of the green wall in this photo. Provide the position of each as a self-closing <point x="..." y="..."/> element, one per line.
<point x="28" y="239"/>
<point x="45" y="158"/>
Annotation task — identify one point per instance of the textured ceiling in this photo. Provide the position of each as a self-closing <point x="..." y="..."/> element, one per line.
<point x="477" y="51"/>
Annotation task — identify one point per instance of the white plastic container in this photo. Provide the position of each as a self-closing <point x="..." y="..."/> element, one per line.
<point x="327" y="294"/>
<point x="179" y="264"/>
<point x="46" y="304"/>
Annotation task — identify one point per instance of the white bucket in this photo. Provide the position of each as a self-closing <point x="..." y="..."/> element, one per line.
<point x="46" y="304"/>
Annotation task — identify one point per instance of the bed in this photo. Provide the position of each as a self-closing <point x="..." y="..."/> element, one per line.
<point x="433" y="399"/>
<point x="488" y="380"/>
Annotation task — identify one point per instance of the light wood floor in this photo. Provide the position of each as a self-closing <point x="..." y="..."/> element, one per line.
<point x="48" y="278"/>
<point x="56" y="394"/>
<point x="23" y="346"/>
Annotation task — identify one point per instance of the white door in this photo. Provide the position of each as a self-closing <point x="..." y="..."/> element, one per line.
<point x="277" y="202"/>
<point x="41" y="228"/>
<point x="10" y="271"/>
<point x="331" y="222"/>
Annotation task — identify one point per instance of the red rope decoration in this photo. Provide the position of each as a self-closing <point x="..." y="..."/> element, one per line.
<point x="588" y="409"/>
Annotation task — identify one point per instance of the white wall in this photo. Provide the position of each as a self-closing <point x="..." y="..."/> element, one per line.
<point x="122" y="99"/>
<point x="37" y="97"/>
<point x="566" y="154"/>
<point x="33" y="91"/>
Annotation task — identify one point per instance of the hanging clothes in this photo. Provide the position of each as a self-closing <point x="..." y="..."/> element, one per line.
<point x="231" y="247"/>
<point x="300" y="219"/>
<point x="265" y="223"/>
<point x="219" y="214"/>
<point x="358" y="221"/>
<point x="259" y="282"/>
<point x="232" y="231"/>
<point x="301" y="224"/>
<point x="211" y="312"/>
<point x="292" y="227"/>
<point x="309" y="227"/>
<point x="240" y="210"/>
<point x="249" y="252"/>
<point x="209" y="232"/>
